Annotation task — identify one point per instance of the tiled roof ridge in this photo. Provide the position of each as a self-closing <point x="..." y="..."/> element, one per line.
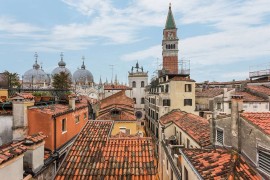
<point x="219" y="163"/>
<point x="35" y="138"/>
<point x="169" y="113"/>
<point x="16" y="148"/>
<point x="262" y="122"/>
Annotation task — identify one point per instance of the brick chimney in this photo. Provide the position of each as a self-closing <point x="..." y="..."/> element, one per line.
<point x="20" y="103"/>
<point x="33" y="159"/>
<point x="237" y="107"/>
<point x="71" y="101"/>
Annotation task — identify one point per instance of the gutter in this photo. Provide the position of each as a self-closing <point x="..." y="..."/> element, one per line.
<point x="190" y="165"/>
<point x="54" y="118"/>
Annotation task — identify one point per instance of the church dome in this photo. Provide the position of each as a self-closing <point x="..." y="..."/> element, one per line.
<point x="36" y="75"/>
<point x="83" y="76"/>
<point x="61" y="68"/>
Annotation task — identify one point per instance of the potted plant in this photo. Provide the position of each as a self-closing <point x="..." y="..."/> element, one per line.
<point x="46" y="96"/>
<point x="37" y="96"/>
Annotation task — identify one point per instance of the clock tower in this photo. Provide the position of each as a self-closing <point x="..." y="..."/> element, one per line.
<point x="170" y="45"/>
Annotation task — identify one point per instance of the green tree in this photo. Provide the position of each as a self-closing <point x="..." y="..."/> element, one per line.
<point x="12" y="79"/>
<point x="61" y="81"/>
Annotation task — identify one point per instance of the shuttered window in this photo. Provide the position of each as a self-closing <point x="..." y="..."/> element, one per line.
<point x="264" y="160"/>
<point x="220" y="136"/>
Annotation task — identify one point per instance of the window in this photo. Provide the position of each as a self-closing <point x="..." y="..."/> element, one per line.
<point x="166" y="102"/>
<point x="115" y="112"/>
<point x="142" y="84"/>
<point x="220" y="136"/>
<point x="230" y="105"/>
<point x="134" y="84"/>
<point x="77" y="119"/>
<point x="187" y="102"/>
<point x="188" y="143"/>
<point x="167" y="164"/>
<point x="266" y="106"/>
<point x="64" y="125"/>
<point x="134" y="99"/>
<point x="218" y="105"/>
<point x="187" y="87"/>
<point x="264" y="159"/>
<point x="142" y="100"/>
<point x="84" y="116"/>
<point x="185" y="173"/>
<point x="167" y="88"/>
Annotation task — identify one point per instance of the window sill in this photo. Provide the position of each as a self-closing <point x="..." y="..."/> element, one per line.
<point x="63" y="132"/>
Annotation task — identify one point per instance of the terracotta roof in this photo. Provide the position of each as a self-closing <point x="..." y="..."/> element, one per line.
<point x="117" y="98"/>
<point x="56" y="108"/>
<point x="219" y="164"/>
<point x="195" y="126"/>
<point x="96" y="156"/>
<point x="247" y="97"/>
<point x="35" y="138"/>
<point x="24" y="95"/>
<point x="260" y="119"/>
<point x="120" y="102"/>
<point x="14" y="149"/>
<point x="211" y="92"/>
<point x="10" y="151"/>
<point x="116" y="87"/>
<point x="261" y="89"/>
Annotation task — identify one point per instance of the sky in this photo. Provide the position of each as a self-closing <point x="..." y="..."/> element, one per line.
<point x="223" y="39"/>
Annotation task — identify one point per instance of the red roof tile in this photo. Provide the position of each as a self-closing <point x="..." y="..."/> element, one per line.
<point x="261" y="89"/>
<point x="10" y="151"/>
<point x="247" y="97"/>
<point x="56" y="108"/>
<point x="211" y="92"/>
<point x="219" y="164"/>
<point x="35" y="138"/>
<point x="96" y="156"/>
<point x="14" y="149"/>
<point x="116" y="87"/>
<point x="260" y="119"/>
<point x="119" y="101"/>
<point x="195" y="126"/>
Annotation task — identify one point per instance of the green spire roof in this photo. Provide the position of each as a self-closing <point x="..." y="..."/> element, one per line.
<point x="170" y="24"/>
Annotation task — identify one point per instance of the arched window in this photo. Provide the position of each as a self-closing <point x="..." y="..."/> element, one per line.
<point x="134" y="84"/>
<point x="142" y="100"/>
<point x="174" y="46"/>
<point x="134" y="99"/>
<point x="115" y="112"/>
<point x="142" y="83"/>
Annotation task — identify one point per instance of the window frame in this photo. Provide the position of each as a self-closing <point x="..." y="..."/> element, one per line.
<point x="133" y="84"/>
<point x="186" y="102"/>
<point x="188" y="87"/>
<point x="64" y="125"/>
<point x="220" y="130"/>
<point x="265" y="151"/>
<point x="77" y="119"/>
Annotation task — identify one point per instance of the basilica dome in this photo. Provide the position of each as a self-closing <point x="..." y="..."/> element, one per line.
<point x="36" y="75"/>
<point x="61" y="68"/>
<point x="83" y="76"/>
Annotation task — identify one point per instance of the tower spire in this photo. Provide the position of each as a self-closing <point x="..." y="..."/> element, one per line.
<point x="83" y="66"/>
<point x="170" y="23"/>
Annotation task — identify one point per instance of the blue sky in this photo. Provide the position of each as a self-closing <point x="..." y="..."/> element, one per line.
<point x="221" y="38"/>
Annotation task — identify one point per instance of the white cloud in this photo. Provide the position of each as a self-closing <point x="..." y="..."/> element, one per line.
<point x="11" y="26"/>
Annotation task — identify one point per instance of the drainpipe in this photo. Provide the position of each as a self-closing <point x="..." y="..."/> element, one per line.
<point x="54" y="118"/>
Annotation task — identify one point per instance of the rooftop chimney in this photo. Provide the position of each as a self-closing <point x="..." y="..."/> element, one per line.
<point x="237" y="107"/>
<point x="71" y="101"/>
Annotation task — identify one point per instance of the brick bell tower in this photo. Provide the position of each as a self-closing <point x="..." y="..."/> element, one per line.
<point x="170" y="45"/>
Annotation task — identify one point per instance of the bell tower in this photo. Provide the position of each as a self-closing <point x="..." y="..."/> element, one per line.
<point x="170" y="45"/>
